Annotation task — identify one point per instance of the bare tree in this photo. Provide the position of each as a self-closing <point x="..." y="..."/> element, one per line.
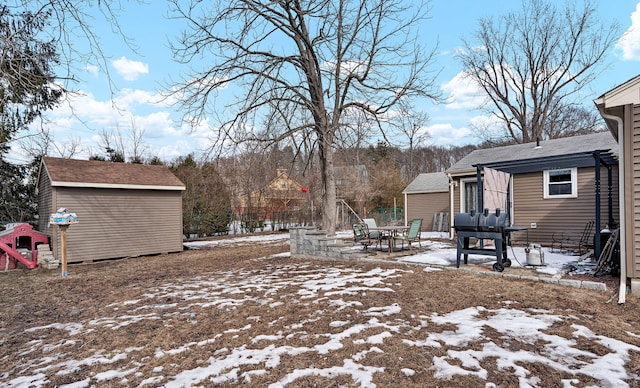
<point x="70" y="23"/>
<point x="301" y="67"/>
<point x="113" y="144"/>
<point x="37" y="145"/>
<point x="532" y="64"/>
<point x="65" y="39"/>
<point x="411" y="124"/>
<point x="572" y="119"/>
<point x="137" y="143"/>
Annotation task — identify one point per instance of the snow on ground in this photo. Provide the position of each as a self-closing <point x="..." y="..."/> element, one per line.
<point x="239" y="240"/>
<point x="436" y="253"/>
<point x="326" y="287"/>
<point x="439" y="253"/>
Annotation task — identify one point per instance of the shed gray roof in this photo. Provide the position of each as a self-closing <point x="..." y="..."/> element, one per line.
<point x="603" y="141"/>
<point x="435" y="182"/>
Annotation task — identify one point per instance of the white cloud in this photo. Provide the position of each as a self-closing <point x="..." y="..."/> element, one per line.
<point x="487" y="127"/>
<point x="629" y="43"/>
<point x="130" y="70"/>
<point x="486" y="122"/>
<point x="128" y="98"/>
<point x="85" y="118"/>
<point x="463" y="93"/>
<point x="92" y="69"/>
<point x="88" y="109"/>
<point x="446" y="134"/>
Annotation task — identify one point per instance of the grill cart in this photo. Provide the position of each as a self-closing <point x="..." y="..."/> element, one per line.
<point x="484" y="226"/>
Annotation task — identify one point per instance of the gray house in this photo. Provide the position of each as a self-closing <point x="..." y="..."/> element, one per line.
<point x="620" y="107"/>
<point x="124" y="210"/>
<point x="554" y="186"/>
<point x="427" y="197"/>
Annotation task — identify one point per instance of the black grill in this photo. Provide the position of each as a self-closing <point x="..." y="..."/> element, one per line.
<point x="493" y="226"/>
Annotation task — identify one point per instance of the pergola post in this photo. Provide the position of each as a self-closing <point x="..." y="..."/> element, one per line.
<point x="596" y="243"/>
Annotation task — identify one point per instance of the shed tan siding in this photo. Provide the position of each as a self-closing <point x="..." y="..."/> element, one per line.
<point x="633" y="244"/>
<point x="45" y="202"/>
<point x="562" y="215"/>
<point x="115" y="223"/>
<point x="425" y="205"/>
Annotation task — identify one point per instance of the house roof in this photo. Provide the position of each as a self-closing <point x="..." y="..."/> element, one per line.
<point x="100" y="174"/>
<point x="623" y="94"/>
<point x="575" y="151"/>
<point x="610" y="103"/>
<point x="435" y="182"/>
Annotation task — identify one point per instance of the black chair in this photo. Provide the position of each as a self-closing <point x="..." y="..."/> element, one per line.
<point x="582" y="243"/>
<point x="361" y="235"/>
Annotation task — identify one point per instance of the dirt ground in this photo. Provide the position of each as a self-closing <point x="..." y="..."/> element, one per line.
<point x="92" y="294"/>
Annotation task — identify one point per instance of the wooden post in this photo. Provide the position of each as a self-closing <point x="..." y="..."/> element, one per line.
<point x="63" y="248"/>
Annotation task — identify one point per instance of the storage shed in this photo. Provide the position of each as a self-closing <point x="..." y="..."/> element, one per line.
<point x="427" y="197"/>
<point x="124" y="210"/>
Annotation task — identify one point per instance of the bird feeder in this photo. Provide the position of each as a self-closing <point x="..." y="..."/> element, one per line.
<point x="63" y="218"/>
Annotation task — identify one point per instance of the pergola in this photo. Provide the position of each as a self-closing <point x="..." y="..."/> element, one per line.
<point x="596" y="159"/>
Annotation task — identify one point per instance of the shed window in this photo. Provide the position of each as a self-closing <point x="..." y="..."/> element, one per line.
<point x="561" y="183"/>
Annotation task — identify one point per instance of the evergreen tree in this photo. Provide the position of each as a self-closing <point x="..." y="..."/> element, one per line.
<point x="28" y="89"/>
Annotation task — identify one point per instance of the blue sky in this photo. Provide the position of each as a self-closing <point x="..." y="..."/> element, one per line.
<point x="140" y="75"/>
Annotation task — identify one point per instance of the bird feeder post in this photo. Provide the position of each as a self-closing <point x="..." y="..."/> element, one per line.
<point x="63" y="218"/>
<point x="63" y="249"/>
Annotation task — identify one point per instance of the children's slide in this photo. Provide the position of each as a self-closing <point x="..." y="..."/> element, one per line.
<point x="16" y="255"/>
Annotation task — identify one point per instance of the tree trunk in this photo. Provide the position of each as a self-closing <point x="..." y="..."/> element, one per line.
<point x="328" y="186"/>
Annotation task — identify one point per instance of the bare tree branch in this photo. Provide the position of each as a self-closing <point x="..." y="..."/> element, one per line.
<point x="533" y="62"/>
<point x="300" y="68"/>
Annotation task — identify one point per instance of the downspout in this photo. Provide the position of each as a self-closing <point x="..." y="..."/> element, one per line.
<point x="452" y="185"/>
<point x="622" y="209"/>
<point x="480" y="186"/>
<point x="406" y="209"/>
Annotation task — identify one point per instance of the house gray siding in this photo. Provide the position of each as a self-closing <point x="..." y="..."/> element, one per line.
<point x="633" y="243"/>
<point x="116" y="223"/>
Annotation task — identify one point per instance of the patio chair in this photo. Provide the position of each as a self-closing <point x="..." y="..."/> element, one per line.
<point x="413" y="234"/>
<point x="361" y="235"/>
<point x="564" y="241"/>
<point x="374" y="234"/>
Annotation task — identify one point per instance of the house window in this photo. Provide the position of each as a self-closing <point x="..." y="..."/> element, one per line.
<point x="561" y="183"/>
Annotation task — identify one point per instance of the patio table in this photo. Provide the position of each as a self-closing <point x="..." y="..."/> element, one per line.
<point x="390" y="232"/>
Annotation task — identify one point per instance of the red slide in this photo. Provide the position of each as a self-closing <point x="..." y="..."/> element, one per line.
<point x="16" y="255"/>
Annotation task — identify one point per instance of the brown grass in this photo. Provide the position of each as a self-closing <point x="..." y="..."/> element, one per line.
<point x="37" y="298"/>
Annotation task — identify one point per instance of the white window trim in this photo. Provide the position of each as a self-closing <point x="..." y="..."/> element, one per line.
<point x="574" y="184"/>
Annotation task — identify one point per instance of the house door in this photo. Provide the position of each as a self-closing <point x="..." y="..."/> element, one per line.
<point x="469" y="200"/>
